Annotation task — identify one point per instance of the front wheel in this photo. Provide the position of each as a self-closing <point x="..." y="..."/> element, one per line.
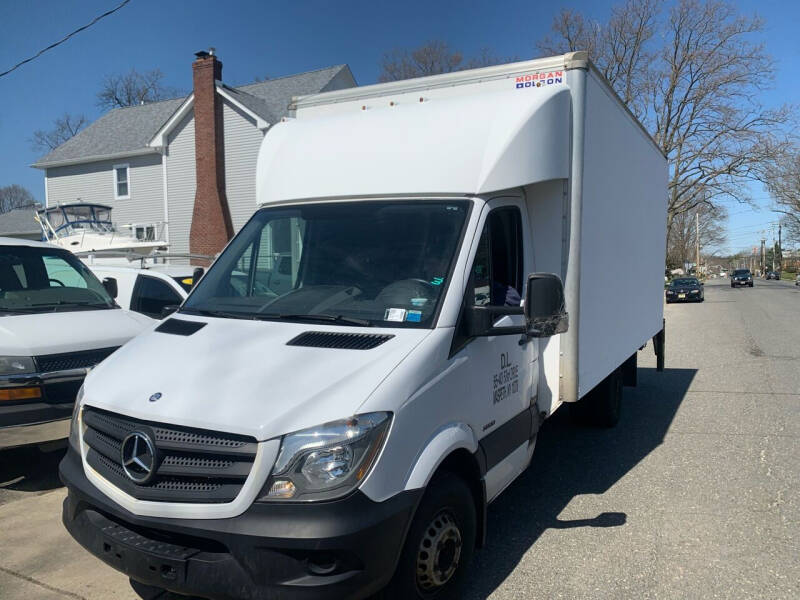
<point x="439" y="545"/>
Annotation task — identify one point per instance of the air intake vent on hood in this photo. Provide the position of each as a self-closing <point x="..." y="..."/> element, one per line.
<point x="180" y="327"/>
<point x="332" y="339"/>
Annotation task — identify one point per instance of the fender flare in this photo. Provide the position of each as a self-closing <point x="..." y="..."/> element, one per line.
<point x="445" y="440"/>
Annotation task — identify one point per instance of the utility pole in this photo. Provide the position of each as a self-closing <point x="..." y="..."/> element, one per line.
<point x="763" y="256"/>
<point x="780" y="249"/>
<point x="697" y="243"/>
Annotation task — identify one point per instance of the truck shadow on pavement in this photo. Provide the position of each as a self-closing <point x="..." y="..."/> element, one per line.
<point x="29" y="469"/>
<point x="569" y="461"/>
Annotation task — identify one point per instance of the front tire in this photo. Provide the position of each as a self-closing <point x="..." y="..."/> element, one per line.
<point x="438" y="549"/>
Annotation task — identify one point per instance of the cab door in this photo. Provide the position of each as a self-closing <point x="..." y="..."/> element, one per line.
<point x="501" y="369"/>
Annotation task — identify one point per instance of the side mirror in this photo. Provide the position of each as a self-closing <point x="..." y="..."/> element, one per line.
<point x="196" y="275"/>
<point x="110" y="284"/>
<point x="480" y="321"/>
<point x="545" y="311"/>
<point x="168" y="310"/>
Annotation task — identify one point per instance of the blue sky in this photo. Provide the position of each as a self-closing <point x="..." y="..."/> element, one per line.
<point x="258" y="38"/>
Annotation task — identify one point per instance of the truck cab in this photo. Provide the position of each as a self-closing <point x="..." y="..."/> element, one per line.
<point x="367" y="364"/>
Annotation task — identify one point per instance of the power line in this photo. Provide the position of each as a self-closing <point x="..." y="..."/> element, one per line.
<point x="65" y="38"/>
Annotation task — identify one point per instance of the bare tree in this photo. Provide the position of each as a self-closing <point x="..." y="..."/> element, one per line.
<point x="133" y="88"/>
<point x="693" y="77"/>
<point x="681" y="243"/>
<point x="782" y="179"/>
<point x="15" y="196"/>
<point x="432" y="58"/>
<point x="64" y="128"/>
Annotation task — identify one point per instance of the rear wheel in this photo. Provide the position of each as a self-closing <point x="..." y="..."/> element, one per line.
<point x="439" y="545"/>
<point x="602" y="406"/>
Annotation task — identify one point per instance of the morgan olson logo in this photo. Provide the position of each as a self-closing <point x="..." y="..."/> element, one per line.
<point x="539" y="79"/>
<point x="156" y="396"/>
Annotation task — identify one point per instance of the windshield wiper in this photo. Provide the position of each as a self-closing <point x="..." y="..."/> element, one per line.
<point x="61" y="303"/>
<point x="324" y="317"/>
<point x="207" y="312"/>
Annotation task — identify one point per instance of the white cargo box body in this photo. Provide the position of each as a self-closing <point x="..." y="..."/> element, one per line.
<point x="593" y="179"/>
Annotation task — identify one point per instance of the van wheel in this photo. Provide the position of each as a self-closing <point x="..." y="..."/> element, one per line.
<point x="602" y="406"/>
<point x="439" y="545"/>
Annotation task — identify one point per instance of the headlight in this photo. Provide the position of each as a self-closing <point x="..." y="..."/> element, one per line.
<point x="328" y="461"/>
<point x="16" y="365"/>
<point x="695" y="292"/>
<point x="670" y="293"/>
<point x="74" y="436"/>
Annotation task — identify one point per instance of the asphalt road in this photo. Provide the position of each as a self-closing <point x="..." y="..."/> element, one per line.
<point x="693" y="495"/>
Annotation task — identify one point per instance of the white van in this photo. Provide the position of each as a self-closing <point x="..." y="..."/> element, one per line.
<point x="344" y="433"/>
<point x="56" y="321"/>
<point x="154" y="290"/>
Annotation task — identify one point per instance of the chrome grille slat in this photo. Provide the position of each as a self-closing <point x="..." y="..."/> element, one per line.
<point x="194" y="465"/>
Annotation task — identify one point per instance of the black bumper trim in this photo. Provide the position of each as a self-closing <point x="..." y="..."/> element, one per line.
<point x="341" y="549"/>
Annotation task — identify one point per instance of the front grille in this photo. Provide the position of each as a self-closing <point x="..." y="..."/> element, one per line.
<point x="192" y="465"/>
<point x="345" y="341"/>
<point x="72" y="360"/>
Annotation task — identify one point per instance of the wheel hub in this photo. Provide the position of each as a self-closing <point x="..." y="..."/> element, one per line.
<point x="439" y="552"/>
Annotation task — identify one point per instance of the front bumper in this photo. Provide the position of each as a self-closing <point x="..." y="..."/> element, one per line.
<point x="45" y="419"/>
<point x="735" y="282"/>
<point x="688" y="298"/>
<point x="341" y="549"/>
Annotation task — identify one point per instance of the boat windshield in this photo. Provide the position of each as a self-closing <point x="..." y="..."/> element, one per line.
<point x="80" y="217"/>
<point x="36" y="279"/>
<point x="350" y="263"/>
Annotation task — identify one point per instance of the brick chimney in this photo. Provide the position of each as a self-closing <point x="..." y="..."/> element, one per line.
<point x="211" y="219"/>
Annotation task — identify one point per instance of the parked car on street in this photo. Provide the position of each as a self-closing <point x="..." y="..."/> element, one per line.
<point x="742" y="277"/>
<point x="151" y="291"/>
<point x="773" y="275"/>
<point x="57" y="320"/>
<point x="685" y="289"/>
<point x="797" y="279"/>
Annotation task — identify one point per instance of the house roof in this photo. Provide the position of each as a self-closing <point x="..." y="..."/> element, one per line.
<point x="127" y="131"/>
<point x="20" y="221"/>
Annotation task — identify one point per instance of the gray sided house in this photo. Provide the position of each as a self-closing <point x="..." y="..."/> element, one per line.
<point x="140" y="160"/>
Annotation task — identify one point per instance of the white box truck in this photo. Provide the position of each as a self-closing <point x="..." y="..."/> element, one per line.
<point x="366" y="365"/>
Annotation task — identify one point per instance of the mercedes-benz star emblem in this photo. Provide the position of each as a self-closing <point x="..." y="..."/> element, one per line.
<point x="139" y="457"/>
<point x="155" y="397"/>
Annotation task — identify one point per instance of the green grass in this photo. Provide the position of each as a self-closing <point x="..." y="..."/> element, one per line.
<point x="786" y="276"/>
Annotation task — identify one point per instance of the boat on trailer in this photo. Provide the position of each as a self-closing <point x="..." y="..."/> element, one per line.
<point x="84" y="227"/>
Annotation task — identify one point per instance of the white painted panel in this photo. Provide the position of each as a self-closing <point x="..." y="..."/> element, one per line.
<point x="546" y="210"/>
<point x="94" y="182"/>
<point x="623" y="245"/>
<point x="181" y="183"/>
<point x="242" y="142"/>
<point x="466" y="144"/>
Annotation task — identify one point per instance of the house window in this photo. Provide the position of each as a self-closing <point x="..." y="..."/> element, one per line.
<point x="121" y="182"/>
<point x="146" y="233"/>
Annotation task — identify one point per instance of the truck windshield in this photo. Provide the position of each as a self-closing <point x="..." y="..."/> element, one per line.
<point x="37" y="279"/>
<point x="351" y="263"/>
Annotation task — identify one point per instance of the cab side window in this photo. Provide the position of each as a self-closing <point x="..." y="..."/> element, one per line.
<point x="151" y="295"/>
<point x="497" y="270"/>
<point x="496" y="276"/>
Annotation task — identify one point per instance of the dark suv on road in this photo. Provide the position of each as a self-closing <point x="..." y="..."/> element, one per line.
<point x="742" y="277"/>
<point x="773" y="275"/>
